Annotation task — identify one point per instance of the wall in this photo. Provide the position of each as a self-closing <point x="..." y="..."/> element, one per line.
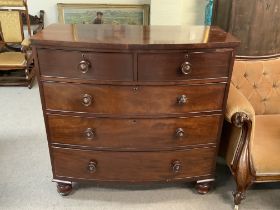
<point x="163" y="12"/>
<point x="193" y="12"/>
<point x="177" y="12"/>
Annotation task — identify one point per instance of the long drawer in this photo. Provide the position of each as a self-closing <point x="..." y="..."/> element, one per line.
<point x="133" y="166"/>
<point x="139" y="100"/>
<point x="86" y="65"/>
<point x="133" y="134"/>
<point x="183" y="66"/>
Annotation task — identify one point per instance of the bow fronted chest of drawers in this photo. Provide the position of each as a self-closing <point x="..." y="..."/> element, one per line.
<point x="133" y="104"/>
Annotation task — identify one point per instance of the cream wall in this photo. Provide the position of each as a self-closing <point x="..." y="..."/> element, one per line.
<point x="177" y="12"/>
<point x="163" y="12"/>
<point x="193" y="11"/>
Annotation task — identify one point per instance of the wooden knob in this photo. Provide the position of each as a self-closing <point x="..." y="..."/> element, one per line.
<point x="176" y="166"/>
<point x="92" y="166"/>
<point x="180" y="132"/>
<point x="90" y="133"/>
<point x="186" y="68"/>
<point x="182" y="99"/>
<point x="87" y="100"/>
<point x="84" y="66"/>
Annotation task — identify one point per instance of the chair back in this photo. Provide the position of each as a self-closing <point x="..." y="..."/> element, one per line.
<point x="259" y="82"/>
<point x="11" y="25"/>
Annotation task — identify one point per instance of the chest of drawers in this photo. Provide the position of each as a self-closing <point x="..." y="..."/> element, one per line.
<point x="133" y="104"/>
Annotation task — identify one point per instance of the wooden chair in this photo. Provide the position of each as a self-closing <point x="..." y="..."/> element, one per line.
<point x="252" y="131"/>
<point x="16" y="61"/>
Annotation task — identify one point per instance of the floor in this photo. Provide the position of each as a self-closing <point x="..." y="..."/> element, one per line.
<point x="25" y="173"/>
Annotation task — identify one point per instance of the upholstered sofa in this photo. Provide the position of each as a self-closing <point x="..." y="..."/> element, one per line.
<point x="252" y="131"/>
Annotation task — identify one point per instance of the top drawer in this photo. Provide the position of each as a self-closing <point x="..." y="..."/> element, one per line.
<point x="183" y="66"/>
<point x="96" y="66"/>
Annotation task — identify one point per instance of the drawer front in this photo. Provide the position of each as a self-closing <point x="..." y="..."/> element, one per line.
<point x="85" y="65"/>
<point x="132" y="166"/>
<point x="183" y="66"/>
<point x="133" y="134"/>
<point x="142" y="100"/>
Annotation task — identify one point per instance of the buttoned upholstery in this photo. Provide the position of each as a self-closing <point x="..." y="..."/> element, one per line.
<point x="255" y="90"/>
<point x="259" y="82"/>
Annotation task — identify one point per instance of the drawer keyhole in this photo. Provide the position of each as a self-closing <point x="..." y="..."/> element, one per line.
<point x="135" y="89"/>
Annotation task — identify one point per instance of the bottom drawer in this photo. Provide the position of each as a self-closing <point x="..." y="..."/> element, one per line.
<point x="133" y="166"/>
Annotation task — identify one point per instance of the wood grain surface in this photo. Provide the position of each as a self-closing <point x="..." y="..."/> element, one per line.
<point x="133" y="166"/>
<point x="133" y="134"/>
<point x="133" y="100"/>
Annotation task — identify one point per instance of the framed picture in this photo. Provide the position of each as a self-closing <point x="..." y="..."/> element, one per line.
<point x="104" y="14"/>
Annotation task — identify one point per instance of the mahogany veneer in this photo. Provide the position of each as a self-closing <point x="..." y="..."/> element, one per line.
<point x="128" y="100"/>
<point x="133" y="103"/>
<point x="142" y="167"/>
<point x="129" y="134"/>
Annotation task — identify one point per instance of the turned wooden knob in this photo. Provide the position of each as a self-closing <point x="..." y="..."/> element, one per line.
<point x="186" y="68"/>
<point x="176" y="166"/>
<point x="84" y="66"/>
<point x="92" y="166"/>
<point x="180" y="132"/>
<point x="87" y="100"/>
<point x="182" y="99"/>
<point x="89" y="133"/>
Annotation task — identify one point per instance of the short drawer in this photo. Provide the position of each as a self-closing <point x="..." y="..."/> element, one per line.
<point x="133" y="166"/>
<point x="133" y="134"/>
<point x="140" y="100"/>
<point x="183" y="66"/>
<point x="86" y="65"/>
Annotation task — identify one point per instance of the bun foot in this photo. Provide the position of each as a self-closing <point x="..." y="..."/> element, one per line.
<point x="64" y="189"/>
<point x="203" y="187"/>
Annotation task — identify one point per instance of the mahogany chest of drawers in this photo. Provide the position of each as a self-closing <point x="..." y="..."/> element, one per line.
<point x="133" y="103"/>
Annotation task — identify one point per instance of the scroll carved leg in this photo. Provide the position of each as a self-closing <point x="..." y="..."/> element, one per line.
<point x="203" y="187"/>
<point x="241" y="167"/>
<point x="242" y="177"/>
<point x="64" y="189"/>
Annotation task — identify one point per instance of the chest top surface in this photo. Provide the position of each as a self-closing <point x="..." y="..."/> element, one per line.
<point x="134" y="37"/>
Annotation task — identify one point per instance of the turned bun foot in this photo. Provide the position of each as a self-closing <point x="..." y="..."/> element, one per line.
<point x="64" y="189"/>
<point x="203" y="187"/>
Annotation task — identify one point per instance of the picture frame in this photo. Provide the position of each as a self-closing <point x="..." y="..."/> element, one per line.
<point x="132" y="14"/>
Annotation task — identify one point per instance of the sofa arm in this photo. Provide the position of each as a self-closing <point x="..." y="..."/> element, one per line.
<point x="238" y="103"/>
<point x="241" y="117"/>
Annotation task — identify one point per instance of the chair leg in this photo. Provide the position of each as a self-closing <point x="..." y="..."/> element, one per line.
<point x="30" y="85"/>
<point x="30" y="74"/>
<point x="241" y="164"/>
<point x="242" y="176"/>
